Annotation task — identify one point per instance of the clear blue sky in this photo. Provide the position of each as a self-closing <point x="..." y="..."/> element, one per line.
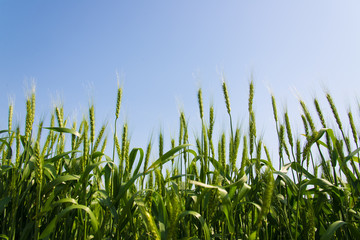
<point x="165" y="50"/>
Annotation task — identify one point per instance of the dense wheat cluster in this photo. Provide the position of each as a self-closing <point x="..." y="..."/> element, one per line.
<point x="56" y="181"/>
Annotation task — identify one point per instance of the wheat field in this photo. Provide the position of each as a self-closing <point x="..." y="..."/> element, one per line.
<point x="58" y="182"/>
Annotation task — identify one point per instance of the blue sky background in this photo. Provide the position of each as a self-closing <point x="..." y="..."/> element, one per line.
<point x="165" y="50"/>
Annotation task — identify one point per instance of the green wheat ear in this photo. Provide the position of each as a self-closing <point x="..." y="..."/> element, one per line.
<point x="198" y="145"/>
<point x="244" y="158"/>
<point x="104" y="145"/>
<point x="99" y="137"/>
<point x="251" y="96"/>
<point x="39" y="164"/>
<point x="211" y="122"/>
<point x="39" y="131"/>
<point x="92" y="124"/>
<point x="161" y="144"/>
<point x="252" y="131"/>
<point x="226" y="96"/>
<point x="123" y="142"/>
<point x="288" y="129"/>
<point x="252" y="122"/>
<point x="267" y="155"/>
<point x="59" y="115"/>
<point x="258" y="156"/>
<point x="183" y="127"/>
<point x="281" y="141"/>
<point x="334" y="110"/>
<point x="118" y="102"/>
<point x="10" y="117"/>
<point x="267" y="196"/>
<point x="308" y="116"/>
<point x="273" y="102"/>
<point x="298" y="151"/>
<point x="30" y="115"/>
<point x="353" y="128"/>
<point x="147" y="155"/>
<point x="305" y="124"/>
<point x="117" y="146"/>
<point x="210" y="130"/>
<point x="319" y="112"/>
<point x="235" y="150"/>
<point x="200" y="102"/>
<point x="222" y="145"/>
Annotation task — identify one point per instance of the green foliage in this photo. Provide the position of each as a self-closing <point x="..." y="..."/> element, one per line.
<point x="49" y="190"/>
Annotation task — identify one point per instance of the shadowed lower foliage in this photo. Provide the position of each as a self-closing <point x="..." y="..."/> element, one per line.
<point x="56" y="182"/>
